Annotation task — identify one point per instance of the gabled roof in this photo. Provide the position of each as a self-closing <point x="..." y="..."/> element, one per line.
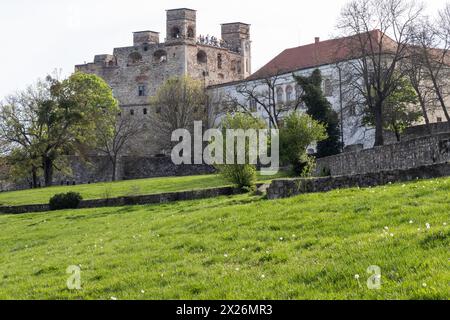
<point x="314" y="55"/>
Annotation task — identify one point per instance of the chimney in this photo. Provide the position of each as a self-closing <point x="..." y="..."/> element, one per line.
<point x="316" y="40"/>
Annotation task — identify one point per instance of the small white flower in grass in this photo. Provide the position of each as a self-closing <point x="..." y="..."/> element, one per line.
<point x="424" y="285"/>
<point x="113" y="298"/>
<point x="411" y="222"/>
<point x="281" y="238"/>
<point x="419" y="229"/>
<point x="392" y="235"/>
<point x="225" y="255"/>
<point x="386" y="228"/>
<point x="357" y="276"/>
<point x="142" y="291"/>
<point x="445" y="224"/>
<point x="237" y="269"/>
<point x="263" y="276"/>
<point x="428" y="226"/>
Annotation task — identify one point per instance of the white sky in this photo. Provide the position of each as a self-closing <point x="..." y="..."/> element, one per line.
<point x="39" y="36"/>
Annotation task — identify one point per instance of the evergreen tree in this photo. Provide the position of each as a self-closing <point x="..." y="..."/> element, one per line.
<point x="319" y="108"/>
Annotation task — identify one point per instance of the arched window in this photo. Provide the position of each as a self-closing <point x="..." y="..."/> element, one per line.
<point x="219" y="61"/>
<point x="175" y="33"/>
<point x="327" y="88"/>
<point x="112" y="63"/>
<point x="134" y="57"/>
<point x="191" y="33"/>
<point x="289" y="94"/>
<point x="160" y="56"/>
<point x="202" y="57"/>
<point x="280" y="99"/>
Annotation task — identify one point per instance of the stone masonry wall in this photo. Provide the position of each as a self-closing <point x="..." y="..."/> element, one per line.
<point x="404" y="155"/>
<point x="285" y="188"/>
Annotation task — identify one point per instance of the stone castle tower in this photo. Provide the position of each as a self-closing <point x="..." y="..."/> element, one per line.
<point x="136" y="72"/>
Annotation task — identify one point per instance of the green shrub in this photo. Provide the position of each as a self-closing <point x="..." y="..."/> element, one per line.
<point x="299" y="132"/>
<point x="62" y="201"/>
<point x="243" y="176"/>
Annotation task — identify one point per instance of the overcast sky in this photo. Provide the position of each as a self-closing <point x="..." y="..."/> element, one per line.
<point x="38" y="36"/>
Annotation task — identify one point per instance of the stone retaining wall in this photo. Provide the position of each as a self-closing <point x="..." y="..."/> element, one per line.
<point x="132" y="200"/>
<point x="404" y="155"/>
<point x="284" y="188"/>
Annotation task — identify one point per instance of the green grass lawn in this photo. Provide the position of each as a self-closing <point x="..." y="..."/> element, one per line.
<point x="120" y="188"/>
<point x="242" y="247"/>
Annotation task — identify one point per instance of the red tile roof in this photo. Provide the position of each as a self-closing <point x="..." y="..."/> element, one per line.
<point x="313" y="55"/>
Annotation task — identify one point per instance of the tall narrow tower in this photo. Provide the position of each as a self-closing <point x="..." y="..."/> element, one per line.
<point x="181" y="25"/>
<point x="237" y="36"/>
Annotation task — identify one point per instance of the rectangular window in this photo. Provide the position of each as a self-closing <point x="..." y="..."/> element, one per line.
<point x="253" y="105"/>
<point x="439" y="119"/>
<point x="141" y="91"/>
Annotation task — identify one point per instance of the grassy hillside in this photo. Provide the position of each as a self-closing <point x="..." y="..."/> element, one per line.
<point x="120" y="188"/>
<point x="242" y="247"/>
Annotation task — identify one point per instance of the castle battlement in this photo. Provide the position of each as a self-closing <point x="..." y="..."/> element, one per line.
<point x="136" y="72"/>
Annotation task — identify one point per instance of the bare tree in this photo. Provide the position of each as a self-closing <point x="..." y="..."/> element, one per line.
<point x="430" y="59"/>
<point x="377" y="42"/>
<point x="418" y="77"/>
<point x="265" y="93"/>
<point x="178" y="103"/>
<point x="113" y="142"/>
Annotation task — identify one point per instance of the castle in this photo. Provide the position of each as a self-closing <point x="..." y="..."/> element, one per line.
<point x="136" y="72"/>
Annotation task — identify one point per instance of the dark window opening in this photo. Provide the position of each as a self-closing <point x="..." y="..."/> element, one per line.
<point x="145" y="110"/>
<point x="132" y="112"/>
<point x="202" y="57"/>
<point x="439" y="119"/>
<point x="175" y="33"/>
<point x="191" y="34"/>
<point x="141" y="91"/>
<point x="160" y="56"/>
<point x="219" y="61"/>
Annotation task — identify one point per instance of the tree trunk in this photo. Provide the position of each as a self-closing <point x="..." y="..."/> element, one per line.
<point x="397" y="134"/>
<point x="439" y="96"/>
<point x="114" y="168"/>
<point x="48" y="171"/>
<point x="378" y="112"/>
<point x="424" y="111"/>
<point x="34" y="177"/>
